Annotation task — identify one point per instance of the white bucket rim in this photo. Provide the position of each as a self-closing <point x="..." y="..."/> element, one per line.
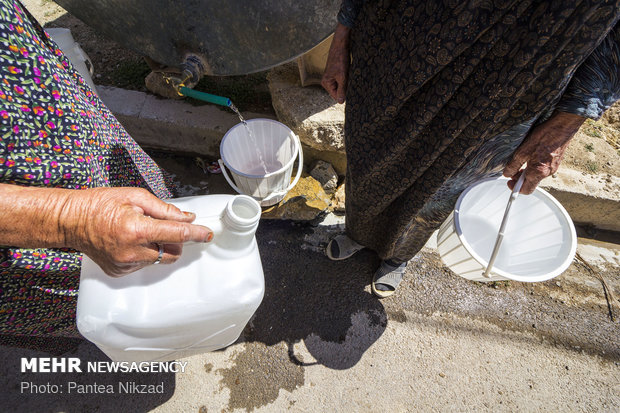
<point x="285" y="167"/>
<point x="544" y="277"/>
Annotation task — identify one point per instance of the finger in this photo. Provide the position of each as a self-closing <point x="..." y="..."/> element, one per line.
<point x="171" y="232"/>
<point x="529" y="184"/>
<point x="116" y="271"/>
<point x="330" y="86"/>
<point x="172" y="252"/>
<point x="156" y="208"/>
<point x="341" y="93"/>
<point x="513" y="181"/>
<point x="534" y="173"/>
<point x="518" y="160"/>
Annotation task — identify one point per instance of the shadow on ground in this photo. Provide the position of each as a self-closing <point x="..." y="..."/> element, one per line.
<point x="307" y="295"/>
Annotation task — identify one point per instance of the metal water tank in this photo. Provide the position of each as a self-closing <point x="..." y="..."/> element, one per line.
<point x="231" y="36"/>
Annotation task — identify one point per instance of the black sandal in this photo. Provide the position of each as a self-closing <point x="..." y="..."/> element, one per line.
<point x="388" y="275"/>
<point x="341" y="247"/>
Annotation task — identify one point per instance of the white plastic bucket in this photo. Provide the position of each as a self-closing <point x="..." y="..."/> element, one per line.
<point x="539" y="239"/>
<point x="74" y="53"/>
<point x="278" y="147"/>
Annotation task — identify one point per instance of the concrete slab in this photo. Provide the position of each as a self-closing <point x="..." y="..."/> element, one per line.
<point x="121" y="101"/>
<point x="588" y="199"/>
<point x="309" y="112"/>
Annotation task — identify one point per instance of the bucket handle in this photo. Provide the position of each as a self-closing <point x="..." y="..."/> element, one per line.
<point x="300" y="168"/>
<point x="274" y="194"/>
<point x="502" y="227"/>
<point x="230" y="181"/>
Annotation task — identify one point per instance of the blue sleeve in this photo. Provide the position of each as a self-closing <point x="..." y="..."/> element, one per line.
<point x="596" y="83"/>
<point x="348" y="11"/>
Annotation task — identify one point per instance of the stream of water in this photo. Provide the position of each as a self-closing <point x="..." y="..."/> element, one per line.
<point x="253" y="169"/>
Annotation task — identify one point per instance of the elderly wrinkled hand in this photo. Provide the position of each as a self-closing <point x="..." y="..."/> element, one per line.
<point x="336" y="73"/>
<point x="542" y="150"/>
<point x="121" y="228"/>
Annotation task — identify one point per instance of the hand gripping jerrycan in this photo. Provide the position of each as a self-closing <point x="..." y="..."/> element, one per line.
<point x="200" y="303"/>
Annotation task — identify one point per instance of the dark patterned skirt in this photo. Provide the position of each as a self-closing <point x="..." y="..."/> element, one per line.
<point x="440" y="95"/>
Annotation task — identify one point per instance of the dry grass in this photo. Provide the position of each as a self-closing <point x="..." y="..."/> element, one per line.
<point x="602" y="130"/>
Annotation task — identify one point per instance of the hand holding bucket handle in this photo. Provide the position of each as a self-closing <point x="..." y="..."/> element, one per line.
<point x="502" y="227"/>
<point x="273" y="194"/>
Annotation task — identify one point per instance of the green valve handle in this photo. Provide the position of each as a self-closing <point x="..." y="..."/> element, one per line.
<point x="205" y="97"/>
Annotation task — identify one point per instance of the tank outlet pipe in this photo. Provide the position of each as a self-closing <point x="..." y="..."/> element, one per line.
<point x="193" y="69"/>
<point x="205" y="97"/>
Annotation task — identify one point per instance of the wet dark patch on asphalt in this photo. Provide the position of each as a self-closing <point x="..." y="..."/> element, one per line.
<point x="258" y="374"/>
<point x="305" y="294"/>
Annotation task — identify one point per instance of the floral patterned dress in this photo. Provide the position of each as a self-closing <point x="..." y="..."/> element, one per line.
<point x="54" y="132"/>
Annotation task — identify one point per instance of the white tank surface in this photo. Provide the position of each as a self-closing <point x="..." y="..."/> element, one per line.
<point x="200" y="303"/>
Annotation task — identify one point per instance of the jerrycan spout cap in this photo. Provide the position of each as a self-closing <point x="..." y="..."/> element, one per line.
<point x="242" y="214"/>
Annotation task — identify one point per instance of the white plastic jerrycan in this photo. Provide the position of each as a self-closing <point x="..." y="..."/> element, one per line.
<point x="200" y="303"/>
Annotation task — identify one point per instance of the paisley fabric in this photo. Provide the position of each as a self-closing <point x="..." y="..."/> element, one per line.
<point x="54" y="132"/>
<point x="596" y="84"/>
<point x="431" y="84"/>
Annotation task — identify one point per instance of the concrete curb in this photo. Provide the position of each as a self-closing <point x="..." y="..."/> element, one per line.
<point x="181" y="127"/>
<point x="171" y="124"/>
<point x="588" y="199"/>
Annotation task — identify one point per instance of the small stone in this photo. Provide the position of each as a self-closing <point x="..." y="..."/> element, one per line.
<point x="442" y="375"/>
<point x="324" y="173"/>
<point x="156" y="83"/>
<point x="338" y="200"/>
<point x="306" y="201"/>
<point x="310" y="112"/>
<point x="558" y="284"/>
